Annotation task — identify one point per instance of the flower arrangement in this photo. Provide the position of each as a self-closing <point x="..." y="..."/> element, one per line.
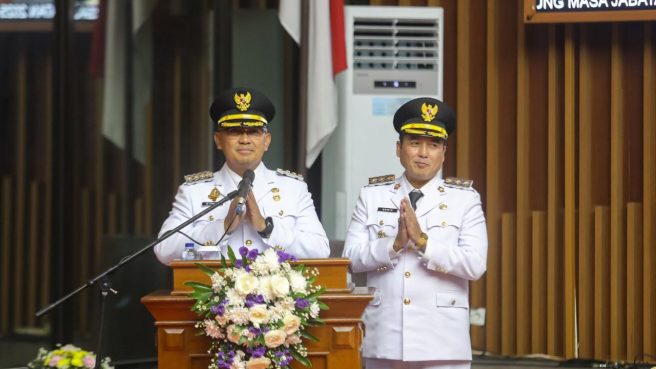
<point x="257" y="309"/>
<point x="67" y="357"/>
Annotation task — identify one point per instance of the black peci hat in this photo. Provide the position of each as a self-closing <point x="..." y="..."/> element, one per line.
<point x="425" y="116"/>
<point x="242" y="107"/>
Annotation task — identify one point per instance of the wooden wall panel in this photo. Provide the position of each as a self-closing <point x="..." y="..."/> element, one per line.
<point x="508" y="280"/>
<point x="617" y="198"/>
<point x="5" y="250"/>
<point x="523" y="207"/>
<point x="634" y="282"/>
<point x="649" y="187"/>
<point x="539" y="285"/>
<point x="555" y="200"/>
<point x="601" y="292"/>
<point x="570" y="228"/>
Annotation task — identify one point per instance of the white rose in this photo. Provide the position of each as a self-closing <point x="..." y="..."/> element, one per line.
<point x="245" y="283"/>
<point x="279" y="286"/>
<point x="274" y="338"/>
<point x="291" y="323"/>
<point x="264" y="287"/>
<point x="258" y="314"/>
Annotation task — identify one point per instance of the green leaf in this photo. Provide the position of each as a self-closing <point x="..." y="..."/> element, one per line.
<point x="231" y="256"/>
<point x="207" y="270"/>
<point x="224" y="264"/>
<point x="309" y="336"/>
<point x="322" y="306"/>
<point x="301" y="359"/>
<point x="201" y="296"/>
<point x="197" y="286"/>
<point x="316" y="322"/>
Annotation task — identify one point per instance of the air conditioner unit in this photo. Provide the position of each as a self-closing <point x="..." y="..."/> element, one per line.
<point x="394" y="54"/>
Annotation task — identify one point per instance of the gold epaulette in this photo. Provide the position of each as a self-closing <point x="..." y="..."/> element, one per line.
<point x="289" y="173"/>
<point x="204" y="176"/>
<point x="464" y="184"/>
<point x="381" y="180"/>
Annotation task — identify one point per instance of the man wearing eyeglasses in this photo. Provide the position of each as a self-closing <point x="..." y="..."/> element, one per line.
<point x="279" y="211"/>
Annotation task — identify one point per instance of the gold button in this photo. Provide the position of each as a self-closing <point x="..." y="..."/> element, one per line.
<point x="281" y="212"/>
<point x="407" y="274"/>
<point x="275" y="190"/>
<point x="276" y="198"/>
<point x="249" y="242"/>
<point x="443" y="206"/>
<point x="381" y="222"/>
<point x="406" y="301"/>
<point x="441" y="189"/>
<point x="444" y="224"/>
<point x="211" y="218"/>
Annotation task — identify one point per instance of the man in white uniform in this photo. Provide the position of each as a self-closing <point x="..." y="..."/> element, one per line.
<point x="279" y="209"/>
<point x="420" y="239"/>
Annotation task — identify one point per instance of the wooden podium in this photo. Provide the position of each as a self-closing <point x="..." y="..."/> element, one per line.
<point x="180" y="347"/>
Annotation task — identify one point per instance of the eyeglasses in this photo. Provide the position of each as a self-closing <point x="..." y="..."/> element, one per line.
<point x="251" y="132"/>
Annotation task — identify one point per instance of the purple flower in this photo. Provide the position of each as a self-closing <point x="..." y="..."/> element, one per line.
<point x="243" y="251"/>
<point x="253" y="254"/>
<point x="302" y="303"/>
<point x="238" y="263"/>
<point x="218" y="309"/>
<point x="257" y="352"/>
<point x="283" y="256"/>
<point x="253" y="300"/>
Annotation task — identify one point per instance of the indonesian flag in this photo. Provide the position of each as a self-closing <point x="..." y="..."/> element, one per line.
<point x="326" y="59"/>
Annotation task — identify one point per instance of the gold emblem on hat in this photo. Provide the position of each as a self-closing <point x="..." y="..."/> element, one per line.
<point x="428" y="112"/>
<point x="243" y="101"/>
<point x="214" y="194"/>
<point x="396" y="186"/>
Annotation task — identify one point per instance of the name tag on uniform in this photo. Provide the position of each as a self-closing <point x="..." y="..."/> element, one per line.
<point x="208" y="203"/>
<point x="388" y="210"/>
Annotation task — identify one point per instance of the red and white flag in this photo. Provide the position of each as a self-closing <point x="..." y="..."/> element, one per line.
<point x="326" y="59"/>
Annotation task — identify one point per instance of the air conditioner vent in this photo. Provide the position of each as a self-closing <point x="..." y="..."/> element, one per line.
<point x="393" y="43"/>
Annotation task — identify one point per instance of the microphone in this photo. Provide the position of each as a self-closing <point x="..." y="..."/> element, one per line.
<point x="244" y="187"/>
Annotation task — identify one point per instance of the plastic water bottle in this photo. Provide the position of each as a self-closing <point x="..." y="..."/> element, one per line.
<point x="189" y="252"/>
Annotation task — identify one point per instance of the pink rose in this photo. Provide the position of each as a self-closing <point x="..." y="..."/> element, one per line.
<point x="258" y="363"/>
<point x="274" y="338"/>
<point x="292" y="323"/>
<point x="89" y="361"/>
<point x="234" y="334"/>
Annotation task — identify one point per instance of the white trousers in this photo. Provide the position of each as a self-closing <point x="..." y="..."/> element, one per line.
<point x="398" y="364"/>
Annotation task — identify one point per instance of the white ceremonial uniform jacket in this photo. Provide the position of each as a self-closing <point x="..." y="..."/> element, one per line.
<point x="420" y="309"/>
<point x="280" y="195"/>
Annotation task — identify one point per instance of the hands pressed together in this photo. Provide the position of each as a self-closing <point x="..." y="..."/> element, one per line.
<point x="252" y="215"/>
<point x="409" y="229"/>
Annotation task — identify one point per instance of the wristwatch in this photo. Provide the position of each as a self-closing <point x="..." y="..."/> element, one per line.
<point x="268" y="228"/>
<point x="423" y="240"/>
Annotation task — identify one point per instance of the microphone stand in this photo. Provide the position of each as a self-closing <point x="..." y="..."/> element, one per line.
<point x="103" y="277"/>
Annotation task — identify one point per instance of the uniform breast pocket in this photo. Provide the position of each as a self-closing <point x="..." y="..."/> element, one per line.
<point x="444" y="229"/>
<point x="451" y="300"/>
<point x="286" y="217"/>
<point x="383" y="225"/>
